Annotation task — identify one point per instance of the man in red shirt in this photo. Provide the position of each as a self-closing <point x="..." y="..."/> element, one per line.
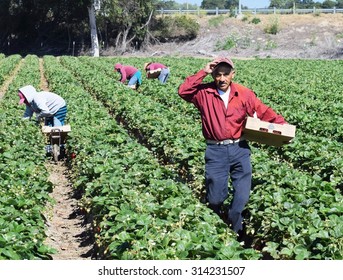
<point x="128" y="72"/>
<point x="224" y="107"/>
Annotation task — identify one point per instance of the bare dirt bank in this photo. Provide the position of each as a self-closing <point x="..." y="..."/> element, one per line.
<point x="310" y="36"/>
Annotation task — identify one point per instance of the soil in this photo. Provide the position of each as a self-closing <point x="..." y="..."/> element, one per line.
<point x="67" y="229"/>
<point x="307" y="36"/>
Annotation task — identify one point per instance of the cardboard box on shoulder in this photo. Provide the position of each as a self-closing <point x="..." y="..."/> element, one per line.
<point x="268" y="133"/>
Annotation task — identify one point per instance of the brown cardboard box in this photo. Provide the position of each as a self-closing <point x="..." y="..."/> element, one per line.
<point x="153" y="74"/>
<point x="268" y="133"/>
<point x="64" y="128"/>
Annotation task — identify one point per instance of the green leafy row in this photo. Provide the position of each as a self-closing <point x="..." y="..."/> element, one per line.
<point x="24" y="185"/>
<point x="7" y="65"/>
<point x="139" y="211"/>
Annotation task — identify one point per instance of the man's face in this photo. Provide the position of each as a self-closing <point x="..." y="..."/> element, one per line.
<point x="223" y="76"/>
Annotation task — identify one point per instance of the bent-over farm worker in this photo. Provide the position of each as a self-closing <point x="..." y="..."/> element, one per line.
<point x="162" y="71"/>
<point x="224" y="107"/>
<point x="128" y="72"/>
<point x="44" y="104"/>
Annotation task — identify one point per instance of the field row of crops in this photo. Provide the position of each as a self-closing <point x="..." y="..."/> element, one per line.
<point x="139" y="162"/>
<point x="24" y="185"/>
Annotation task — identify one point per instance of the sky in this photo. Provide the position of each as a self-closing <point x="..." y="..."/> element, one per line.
<point x="249" y="3"/>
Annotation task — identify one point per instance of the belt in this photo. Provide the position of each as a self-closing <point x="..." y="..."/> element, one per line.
<point x="224" y="142"/>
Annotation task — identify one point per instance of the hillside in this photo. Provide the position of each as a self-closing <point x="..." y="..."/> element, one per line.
<point x="299" y="36"/>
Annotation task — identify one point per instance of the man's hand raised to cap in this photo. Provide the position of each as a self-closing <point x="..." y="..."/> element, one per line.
<point x="210" y="66"/>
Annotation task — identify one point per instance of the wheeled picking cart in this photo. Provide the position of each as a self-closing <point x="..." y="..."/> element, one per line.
<point x="56" y="140"/>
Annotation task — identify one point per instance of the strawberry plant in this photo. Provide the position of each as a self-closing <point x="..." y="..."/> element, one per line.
<point x="24" y="185"/>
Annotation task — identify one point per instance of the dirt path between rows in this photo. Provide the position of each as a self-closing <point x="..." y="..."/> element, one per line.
<point x="68" y="231"/>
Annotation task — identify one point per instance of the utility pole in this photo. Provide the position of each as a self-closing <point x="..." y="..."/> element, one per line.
<point x="239" y="14"/>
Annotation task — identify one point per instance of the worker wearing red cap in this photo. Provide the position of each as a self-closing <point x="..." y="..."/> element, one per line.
<point x="224" y="106"/>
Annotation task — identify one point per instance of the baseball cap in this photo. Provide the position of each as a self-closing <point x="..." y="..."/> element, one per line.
<point x="224" y="60"/>
<point x="22" y="98"/>
<point x="146" y="65"/>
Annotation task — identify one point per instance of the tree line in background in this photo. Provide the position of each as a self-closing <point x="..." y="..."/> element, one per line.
<point x="304" y="4"/>
<point x="62" y="27"/>
<point x="280" y="4"/>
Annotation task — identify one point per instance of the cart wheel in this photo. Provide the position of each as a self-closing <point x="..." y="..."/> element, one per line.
<point x="56" y="152"/>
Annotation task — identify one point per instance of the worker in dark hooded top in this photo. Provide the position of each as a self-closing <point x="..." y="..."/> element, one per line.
<point x="46" y="105"/>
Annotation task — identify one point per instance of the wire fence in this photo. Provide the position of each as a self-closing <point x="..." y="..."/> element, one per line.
<point x="217" y="11"/>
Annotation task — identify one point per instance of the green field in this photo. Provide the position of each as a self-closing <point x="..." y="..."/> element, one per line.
<point x="139" y="163"/>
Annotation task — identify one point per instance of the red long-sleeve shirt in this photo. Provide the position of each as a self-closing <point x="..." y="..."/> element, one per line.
<point x="218" y="122"/>
<point x="127" y="72"/>
<point x="156" y="65"/>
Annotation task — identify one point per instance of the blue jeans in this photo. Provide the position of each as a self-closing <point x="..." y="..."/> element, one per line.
<point x="58" y="119"/>
<point x="164" y="75"/>
<point x="224" y="162"/>
<point x="136" y="79"/>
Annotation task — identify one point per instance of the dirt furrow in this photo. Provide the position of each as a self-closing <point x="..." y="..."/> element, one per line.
<point x="68" y="231"/>
<point x="9" y="80"/>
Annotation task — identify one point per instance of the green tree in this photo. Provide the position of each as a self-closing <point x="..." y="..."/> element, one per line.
<point x="188" y="6"/>
<point x="172" y="5"/>
<point x="329" y="4"/>
<point x="125" y="24"/>
<point x="51" y="26"/>
<point x="231" y="4"/>
<point x="167" y="5"/>
<point x="303" y="4"/>
<point x="177" y="28"/>
<point x="281" y="4"/>
<point x="212" y="4"/>
<point x="41" y="25"/>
